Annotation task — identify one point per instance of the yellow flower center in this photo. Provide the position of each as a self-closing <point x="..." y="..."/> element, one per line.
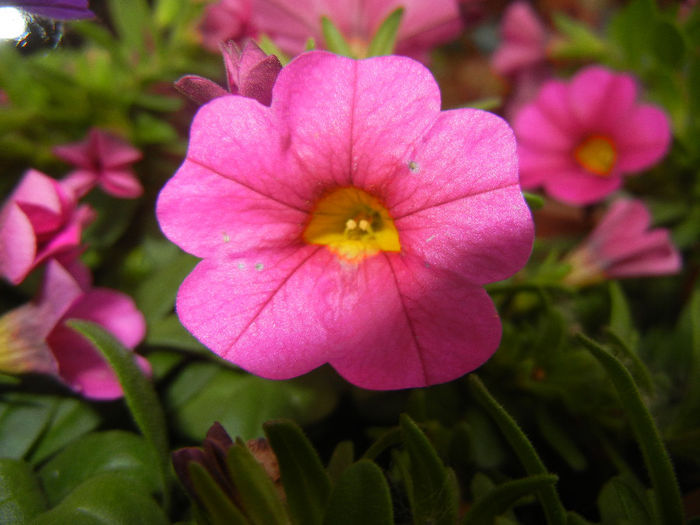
<point x="353" y="225"/>
<point x="596" y="154"/>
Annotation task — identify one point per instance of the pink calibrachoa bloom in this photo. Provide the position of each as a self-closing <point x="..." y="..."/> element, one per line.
<point x="35" y="338"/>
<point x="622" y="245"/>
<point x="579" y="139"/>
<point x="226" y="20"/>
<point x="39" y="220"/>
<point x="524" y="41"/>
<point x="350" y="223"/>
<point x="101" y="159"/>
<point x="249" y="73"/>
<point x="425" y="23"/>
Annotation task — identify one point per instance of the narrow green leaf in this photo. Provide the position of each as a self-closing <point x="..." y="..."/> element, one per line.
<point x="388" y="439"/>
<point x="257" y="493"/>
<point x="361" y="496"/>
<point x="335" y="41"/>
<point x="560" y="440"/>
<point x="219" y="509"/>
<point x="502" y="497"/>
<point x="553" y="508"/>
<point x="658" y="463"/>
<point x="620" y="501"/>
<point x="270" y="48"/>
<point x="343" y="456"/>
<point x="580" y="42"/>
<point x="486" y="103"/>
<point x="131" y="18"/>
<point x="620" y="317"/>
<point x="534" y="201"/>
<point x="431" y="492"/>
<point x="310" y="44"/>
<point x="384" y="39"/>
<point x="668" y="45"/>
<point x="20" y="493"/>
<point x="23" y="418"/>
<point x="107" y="499"/>
<point x="305" y="481"/>
<point x="139" y="394"/>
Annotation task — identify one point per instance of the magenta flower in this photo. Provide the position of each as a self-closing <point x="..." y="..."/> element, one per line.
<point x="579" y="139"/>
<point x="350" y="223"/>
<point x="425" y="23"/>
<point x="39" y="220"/>
<point x="622" y="245"/>
<point x="249" y="73"/>
<point x="523" y="41"/>
<point x="226" y="20"/>
<point x="101" y="159"/>
<point x="58" y="9"/>
<point x="35" y="338"/>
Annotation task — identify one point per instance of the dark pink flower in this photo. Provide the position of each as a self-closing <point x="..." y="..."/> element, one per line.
<point x="39" y="220"/>
<point x="226" y="20"/>
<point x="58" y="9"/>
<point x="578" y="139"/>
<point x="35" y="338"/>
<point x="425" y="23"/>
<point x="623" y="245"/>
<point x="101" y="159"/>
<point x="350" y="223"/>
<point x="249" y="73"/>
<point x="523" y="41"/>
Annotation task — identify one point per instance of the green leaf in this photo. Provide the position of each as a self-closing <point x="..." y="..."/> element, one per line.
<point x="270" y="48"/>
<point x="20" y="494"/>
<point x="219" y="508"/>
<point x="335" y="41"/>
<point x="118" y="452"/>
<point x="502" y="497"/>
<point x="305" y="481"/>
<point x="132" y="21"/>
<point x="71" y="419"/>
<point x="361" y="496"/>
<point x="23" y="418"/>
<point x="432" y="495"/>
<point x="168" y="332"/>
<point x="630" y="29"/>
<point x="620" y="317"/>
<point x="139" y="394"/>
<point x="554" y="510"/>
<point x="343" y="456"/>
<point x="658" y="463"/>
<point x="534" y="201"/>
<point x="580" y="42"/>
<point x="560" y="440"/>
<point x="668" y="45"/>
<point x="107" y="499"/>
<point x="621" y="501"/>
<point x="384" y="39"/>
<point x="257" y="494"/>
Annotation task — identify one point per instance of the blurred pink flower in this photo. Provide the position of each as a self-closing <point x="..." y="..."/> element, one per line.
<point x="523" y="41"/>
<point x="102" y="159"/>
<point x="249" y="73"/>
<point x="579" y="139"/>
<point x="350" y="223"/>
<point x="226" y="20"/>
<point x="622" y="245"/>
<point x="425" y="23"/>
<point x="35" y="338"/>
<point x="39" y="220"/>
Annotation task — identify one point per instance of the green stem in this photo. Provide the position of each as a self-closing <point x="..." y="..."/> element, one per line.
<point x="663" y="479"/>
<point x="553" y="509"/>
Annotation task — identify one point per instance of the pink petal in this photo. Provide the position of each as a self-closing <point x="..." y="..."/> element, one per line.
<point x="535" y="129"/>
<point x="59" y="291"/>
<point x="658" y="257"/>
<point x="414" y="326"/>
<point x="644" y="140"/>
<point x="601" y="100"/>
<point x="578" y="187"/>
<point x="76" y="153"/>
<point x="42" y="199"/>
<point x="424" y="25"/>
<point x="203" y="212"/>
<point x="17" y="243"/>
<point x="524" y="39"/>
<point x="537" y="166"/>
<point x="121" y="183"/>
<point x="260" y="80"/>
<point x="289" y="24"/>
<point x="112" y="150"/>
<point x="23" y="348"/>
<point x="79" y="182"/>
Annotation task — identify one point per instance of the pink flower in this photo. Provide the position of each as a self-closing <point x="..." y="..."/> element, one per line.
<point x="425" y="23"/>
<point x="249" y="73"/>
<point x="103" y="159"/>
<point x="523" y="41"/>
<point x="579" y="139"/>
<point x="35" y="338"/>
<point x="350" y="223"/>
<point x="39" y="220"/>
<point x="622" y="245"/>
<point x="226" y="20"/>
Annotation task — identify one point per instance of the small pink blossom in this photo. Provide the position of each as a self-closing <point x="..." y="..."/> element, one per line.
<point x="350" y="223"/>
<point x="425" y="23"/>
<point x="35" y="338"/>
<point x="101" y="159"/>
<point x="623" y="245"/>
<point x="249" y="73"/>
<point x="226" y="20"/>
<point x="39" y="220"/>
<point x="523" y="41"/>
<point x="578" y="139"/>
